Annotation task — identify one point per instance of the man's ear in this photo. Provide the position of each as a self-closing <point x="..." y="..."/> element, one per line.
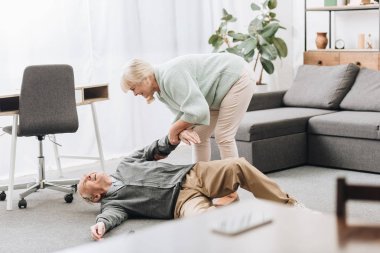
<point x="96" y="197"/>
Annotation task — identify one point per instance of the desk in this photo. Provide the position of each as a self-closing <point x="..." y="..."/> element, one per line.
<point x="292" y="230"/>
<point x="84" y="95"/>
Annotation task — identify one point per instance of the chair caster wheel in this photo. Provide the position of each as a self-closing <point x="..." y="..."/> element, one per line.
<point x="75" y="186"/>
<point x="22" y="203"/>
<point x="3" y="196"/>
<point x="69" y="198"/>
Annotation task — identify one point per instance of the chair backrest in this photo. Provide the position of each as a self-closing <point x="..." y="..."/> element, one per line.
<point x="349" y="191"/>
<point x="47" y="101"/>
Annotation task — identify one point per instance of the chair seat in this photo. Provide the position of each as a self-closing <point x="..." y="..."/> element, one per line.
<point x="8" y="130"/>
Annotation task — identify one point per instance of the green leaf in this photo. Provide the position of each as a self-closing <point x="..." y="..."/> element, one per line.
<point x="281" y="47"/>
<point x="269" y="30"/>
<point x="249" y="56"/>
<point x="238" y="36"/>
<point x="255" y="7"/>
<point x="268" y="52"/>
<point x="272" y="4"/>
<point x="262" y="40"/>
<point x="213" y="38"/>
<point x="218" y="43"/>
<point x="254" y="26"/>
<point x="272" y="15"/>
<point x="228" y="17"/>
<point x="251" y="53"/>
<point x="234" y="50"/>
<point x="248" y="45"/>
<point x="267" y="65"/>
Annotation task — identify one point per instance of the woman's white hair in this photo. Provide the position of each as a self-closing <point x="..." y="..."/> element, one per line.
<point x="134" y="73"/>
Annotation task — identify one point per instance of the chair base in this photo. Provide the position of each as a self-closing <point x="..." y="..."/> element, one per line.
<point x="68" y="186"/>
<point x="59" y="185"/>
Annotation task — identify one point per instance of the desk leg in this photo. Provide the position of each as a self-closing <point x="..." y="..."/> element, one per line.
<point x="56" y="154"/>
<point x="12" y="163"/>
<point x="98" y="140"/>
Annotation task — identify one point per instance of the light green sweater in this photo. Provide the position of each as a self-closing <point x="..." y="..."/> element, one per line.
<point x="192" y="85"/>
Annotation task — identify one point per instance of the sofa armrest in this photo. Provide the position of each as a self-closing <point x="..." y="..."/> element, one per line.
<point x="266" y="100"/>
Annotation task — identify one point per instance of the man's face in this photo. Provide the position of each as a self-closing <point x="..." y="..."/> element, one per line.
<point x="92" y="184"/>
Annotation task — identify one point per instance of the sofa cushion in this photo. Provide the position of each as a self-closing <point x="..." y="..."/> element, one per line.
<point x="321" y="86"/>
<point x="263" y="124"/>
<point x="365" y="92"/>
<point x="347" y="124"/>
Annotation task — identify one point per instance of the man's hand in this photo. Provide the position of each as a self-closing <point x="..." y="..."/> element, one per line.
<point x="189" y="136"/>
<point x="98" y="230"/>
<point x="173" y="138"/>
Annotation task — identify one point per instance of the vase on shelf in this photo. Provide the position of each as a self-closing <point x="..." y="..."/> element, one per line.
<point x="321" y="40"/>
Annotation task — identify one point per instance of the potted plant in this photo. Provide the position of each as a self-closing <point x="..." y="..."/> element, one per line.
<point x="259" y="44"/>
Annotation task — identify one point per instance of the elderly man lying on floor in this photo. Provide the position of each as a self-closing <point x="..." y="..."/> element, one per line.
<point x="144" y="187"/>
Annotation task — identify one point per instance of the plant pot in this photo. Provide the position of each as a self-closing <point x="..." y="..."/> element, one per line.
<point x="321" y="40"/>
<point x="261" y="87"/>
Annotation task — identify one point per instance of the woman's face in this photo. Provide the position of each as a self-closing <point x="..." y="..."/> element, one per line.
<point x="146" y="88"/>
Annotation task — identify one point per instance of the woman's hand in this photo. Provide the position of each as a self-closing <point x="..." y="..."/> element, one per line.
<point x="189" y="136"/>
<point x="176" y="129"/>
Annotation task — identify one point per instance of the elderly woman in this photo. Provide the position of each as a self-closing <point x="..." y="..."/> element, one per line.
<point x="207" y="93"/>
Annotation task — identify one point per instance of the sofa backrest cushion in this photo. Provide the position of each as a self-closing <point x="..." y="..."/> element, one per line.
<point x="365" y="93"/>
<point x="321" y="87"/>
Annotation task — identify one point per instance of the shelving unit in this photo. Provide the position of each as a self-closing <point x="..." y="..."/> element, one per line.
<point x="369" y="58"/>
<point x="331" y="9"/>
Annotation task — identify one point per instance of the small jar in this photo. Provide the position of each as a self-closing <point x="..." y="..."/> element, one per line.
<point x="321" y="40"/>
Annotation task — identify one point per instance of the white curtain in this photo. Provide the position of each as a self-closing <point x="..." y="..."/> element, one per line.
<point x="97" y="38"/>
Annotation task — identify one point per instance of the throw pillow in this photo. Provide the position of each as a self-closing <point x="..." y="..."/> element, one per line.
<point x="365" y="93"/>
<point x="321" y="87"/>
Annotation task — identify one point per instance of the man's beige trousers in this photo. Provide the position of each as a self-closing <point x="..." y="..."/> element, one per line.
<point x="208" y="180"/>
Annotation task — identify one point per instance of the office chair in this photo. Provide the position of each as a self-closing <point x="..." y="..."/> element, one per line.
<point x="349" y="191"/>
<point x="46" y="106"/>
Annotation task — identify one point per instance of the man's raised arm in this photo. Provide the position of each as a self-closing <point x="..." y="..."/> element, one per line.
<point x="159" y="149"/>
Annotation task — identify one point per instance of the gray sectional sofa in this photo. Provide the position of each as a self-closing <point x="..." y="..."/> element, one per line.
<point x="329" y="117"/>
